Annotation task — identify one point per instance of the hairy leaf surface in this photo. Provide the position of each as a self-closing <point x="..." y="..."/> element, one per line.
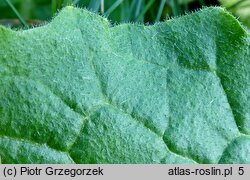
<point x="80" y="91"/>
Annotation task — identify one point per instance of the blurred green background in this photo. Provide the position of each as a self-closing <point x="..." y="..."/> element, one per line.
<point x="18" y="13"/>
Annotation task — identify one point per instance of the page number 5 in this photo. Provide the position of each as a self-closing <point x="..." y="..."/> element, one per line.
<point x="241" y="171"/>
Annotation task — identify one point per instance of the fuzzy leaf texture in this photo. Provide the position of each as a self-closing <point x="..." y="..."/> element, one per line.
<point x="80" y="91"/>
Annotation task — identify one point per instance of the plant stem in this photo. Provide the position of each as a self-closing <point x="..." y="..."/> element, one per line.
<point x="94" y="5"/>
<point x="113" y="7"/>
<point x="21" y="19"/>
<point x="175" y="7"/>
<point x="163" y="2"/>
<point x="102" y="6"/>
<point x="149" y="4"/>
<point x="138" y="8"/>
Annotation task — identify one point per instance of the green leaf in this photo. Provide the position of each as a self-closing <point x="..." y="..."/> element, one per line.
<point x="80" y="91"/>
<point x="240" y="8"/>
